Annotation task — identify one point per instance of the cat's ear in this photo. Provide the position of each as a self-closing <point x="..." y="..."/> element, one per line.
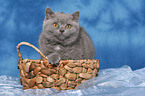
<point x="48" y="13"/>
<point x="76" y="16"/>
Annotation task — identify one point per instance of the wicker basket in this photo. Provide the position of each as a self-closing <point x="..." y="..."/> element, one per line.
<point x="67" y="75"/>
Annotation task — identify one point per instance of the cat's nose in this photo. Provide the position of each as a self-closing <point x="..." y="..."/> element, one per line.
<point x="61" y="30"/>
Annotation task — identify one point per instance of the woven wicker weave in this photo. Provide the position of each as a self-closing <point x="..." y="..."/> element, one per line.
<point x="67" y="75"/>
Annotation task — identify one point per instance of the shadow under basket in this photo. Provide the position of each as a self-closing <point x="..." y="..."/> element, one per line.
<point x="39" y="74"/>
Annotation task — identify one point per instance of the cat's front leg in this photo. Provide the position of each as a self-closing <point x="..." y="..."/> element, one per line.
<point x="54" y="58"/>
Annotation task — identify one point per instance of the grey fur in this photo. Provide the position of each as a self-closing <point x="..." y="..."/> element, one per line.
<point x="73" y="43"/>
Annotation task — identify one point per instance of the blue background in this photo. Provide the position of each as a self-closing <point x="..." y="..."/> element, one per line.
<point x="116" y="27"/>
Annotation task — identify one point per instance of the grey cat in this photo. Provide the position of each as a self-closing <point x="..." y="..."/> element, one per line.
<point x="63" y="38"/>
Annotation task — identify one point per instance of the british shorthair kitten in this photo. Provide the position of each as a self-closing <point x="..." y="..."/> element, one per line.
<point x="63" y="38"/>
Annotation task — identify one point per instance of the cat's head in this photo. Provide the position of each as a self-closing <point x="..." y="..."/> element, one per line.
<point x="61" y="27"/>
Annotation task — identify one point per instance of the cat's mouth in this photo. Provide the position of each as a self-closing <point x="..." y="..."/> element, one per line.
<point x="61" y="37"/>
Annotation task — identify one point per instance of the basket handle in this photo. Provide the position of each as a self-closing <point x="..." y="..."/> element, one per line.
<point x="28" y="44"/>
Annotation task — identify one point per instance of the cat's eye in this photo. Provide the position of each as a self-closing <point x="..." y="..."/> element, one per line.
<point x="55" y="25"/>
<point x="68" y="26"/>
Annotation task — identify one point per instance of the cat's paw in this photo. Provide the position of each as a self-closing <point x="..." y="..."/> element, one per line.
<point x="54" y="58"/>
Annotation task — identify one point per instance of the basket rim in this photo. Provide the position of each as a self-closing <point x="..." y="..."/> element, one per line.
<point x="61" y="62"/>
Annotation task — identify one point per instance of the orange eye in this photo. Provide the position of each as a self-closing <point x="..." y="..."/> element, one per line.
<point x="68" y="26"/>
<point x="55" y="25"/>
